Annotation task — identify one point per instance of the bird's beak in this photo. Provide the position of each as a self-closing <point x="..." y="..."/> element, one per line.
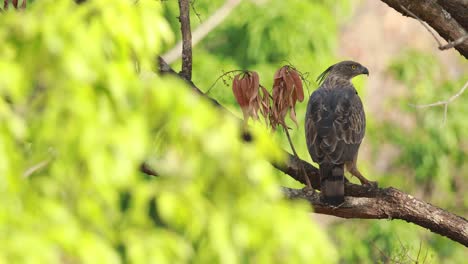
<point x="365" y="71"/>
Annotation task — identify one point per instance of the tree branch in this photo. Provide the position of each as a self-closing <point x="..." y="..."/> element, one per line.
<point x="184" y="18"/>
<point x="438" y="18"/>
<point x="449" y="45"/>
<point x="203" y="29"/>
<point x="445" y="103"/>
<point x="454" y="43"/>
<point x="363" y="201"/>
<point x="390" y="203"/>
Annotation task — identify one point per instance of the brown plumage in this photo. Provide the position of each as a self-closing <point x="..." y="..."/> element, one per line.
<point x="335" y="126"/>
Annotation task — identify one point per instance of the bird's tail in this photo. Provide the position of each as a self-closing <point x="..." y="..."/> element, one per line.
<point x="332" y="183"/>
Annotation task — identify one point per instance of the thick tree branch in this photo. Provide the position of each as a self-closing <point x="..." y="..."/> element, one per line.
<point x="390" y="203"/>
<point x="458" y="9"/>
<point x="438" y="18"/>
<point x="366" y="202"/>
<point x="184" y="18"/>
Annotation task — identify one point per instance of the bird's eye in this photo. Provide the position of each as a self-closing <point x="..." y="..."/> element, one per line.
<point x="353" y="67"/>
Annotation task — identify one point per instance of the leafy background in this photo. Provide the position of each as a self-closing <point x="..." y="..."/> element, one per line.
<point x="79" y="112"/>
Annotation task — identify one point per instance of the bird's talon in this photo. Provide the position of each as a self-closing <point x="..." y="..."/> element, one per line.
<point x="372" y="184"/>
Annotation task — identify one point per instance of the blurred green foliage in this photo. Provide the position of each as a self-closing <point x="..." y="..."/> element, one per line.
<point x="431" y="162"/>
<point x="80" y="111"/>
<point x="434" y="154"/>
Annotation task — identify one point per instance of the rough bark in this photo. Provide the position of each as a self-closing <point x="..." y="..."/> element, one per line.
<point x="390" y="203"/>
<point x="450" y="26"/>
<point x="362" y="201"/>
<point x="184" y="6"/>
<point x="458" y="9"/>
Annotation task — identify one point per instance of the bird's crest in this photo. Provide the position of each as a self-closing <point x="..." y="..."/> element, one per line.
<point x="324" y="75"/>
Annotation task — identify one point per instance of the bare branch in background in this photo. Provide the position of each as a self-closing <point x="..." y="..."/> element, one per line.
<point x="203" y="29"/>
<point x="192" y="4"/>
<point x="449" y="45"/>
<point x="445" y="103"/>
<point x="184" y="18"/>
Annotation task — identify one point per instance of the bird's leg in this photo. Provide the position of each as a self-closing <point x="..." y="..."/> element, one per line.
<point x="352" y="168"/>
<point x="308" y="189"/>
<point x="306" y="177"/>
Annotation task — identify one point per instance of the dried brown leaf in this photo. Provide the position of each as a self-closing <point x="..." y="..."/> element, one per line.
<point x="289" y="83"/>
<point x="246" y="89"/>
<point x="238" y="92"/>
<point x="299" y="89"/>
<point x="253" y="86"/>
<point x="292" y="115"/>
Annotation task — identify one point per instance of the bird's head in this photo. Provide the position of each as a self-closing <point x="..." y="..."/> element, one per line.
<point x="344" y="70"/>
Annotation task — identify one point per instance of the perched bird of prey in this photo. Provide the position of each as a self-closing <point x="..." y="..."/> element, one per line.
<point x="335" y="125"/>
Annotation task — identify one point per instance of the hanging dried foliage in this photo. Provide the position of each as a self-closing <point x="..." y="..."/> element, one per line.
<point x="250" y="95"/>
<point x="287" y="90"/>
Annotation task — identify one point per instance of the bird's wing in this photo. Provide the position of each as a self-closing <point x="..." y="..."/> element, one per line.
<point x="335" y="125"/>
<point x="314" y="116"/>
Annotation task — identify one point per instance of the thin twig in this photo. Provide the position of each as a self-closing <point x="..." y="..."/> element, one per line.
<point x="221" y="76"/>
<point x="309" y="185"/>
<point x="36" y="167"/>
<point x="192" y="4"/>
<point x="445" y="103"/>
<point x="454" y="43"/>
<point x="422" y="23"/>
<point x="184" y="18"/>
<point x="405" y="250"/>
<point x="382" y="253"/>
<point x="449" y="45"/>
